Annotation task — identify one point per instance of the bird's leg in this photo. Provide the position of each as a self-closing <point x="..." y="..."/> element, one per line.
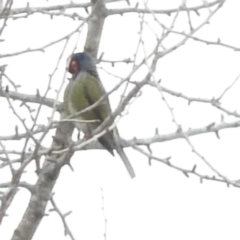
<point x="78" y="136"/>
<point x="87" y="136"/>
<point x="84" y="137"/>
<point x="88" y="133"/>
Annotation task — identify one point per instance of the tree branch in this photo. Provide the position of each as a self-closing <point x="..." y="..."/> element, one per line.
<point x="31" y="99"/>
<point x="53" y="165"/>
<point x="168" y="11"/>
<point x="29" y="10"/>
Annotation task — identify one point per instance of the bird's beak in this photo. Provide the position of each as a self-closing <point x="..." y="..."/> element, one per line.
<point x="68" y="63"/>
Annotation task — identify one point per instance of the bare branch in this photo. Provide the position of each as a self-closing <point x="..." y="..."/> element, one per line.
<point x="31" y="98"/>
<point x="61" y="8"/>
<point x="41" y="49"/>
<point x="46" y="181"/>
<point x="104" y="216"/>
<point x="167" y="12"/>
<point x="51" y="169"/>
<point x="26" y="185"/>
<point x="19" y="136"/>
<point x="63" y="218"/>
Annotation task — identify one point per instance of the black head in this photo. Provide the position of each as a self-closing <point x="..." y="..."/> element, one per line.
<point x="81" y="62"/>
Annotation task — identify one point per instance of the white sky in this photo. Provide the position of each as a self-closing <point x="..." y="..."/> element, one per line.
<point x="160" y="203"/>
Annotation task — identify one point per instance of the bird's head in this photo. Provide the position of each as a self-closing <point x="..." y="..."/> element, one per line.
<point x="80" y="62"/>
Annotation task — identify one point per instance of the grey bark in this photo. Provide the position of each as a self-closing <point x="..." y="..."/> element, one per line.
<point x="51" y="170"/>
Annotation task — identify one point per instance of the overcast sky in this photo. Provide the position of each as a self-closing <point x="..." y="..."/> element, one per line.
<point x="160" y="203"/>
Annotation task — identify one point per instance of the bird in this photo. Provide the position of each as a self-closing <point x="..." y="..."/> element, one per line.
<point x="84" y="89"/>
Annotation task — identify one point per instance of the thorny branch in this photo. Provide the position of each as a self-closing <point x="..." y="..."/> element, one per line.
<point x="104" y="216"/>
<point x="67" y="230"/>
<point x="61" y="151"/>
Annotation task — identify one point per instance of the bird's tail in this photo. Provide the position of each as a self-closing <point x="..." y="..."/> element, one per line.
<point x="121" y="153"/>
<point x="125" y="160"/>
<point x="111" y="141"/>
<point x="106" y="144"/>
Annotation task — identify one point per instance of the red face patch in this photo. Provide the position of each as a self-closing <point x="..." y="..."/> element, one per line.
<point x="72" y="66"/>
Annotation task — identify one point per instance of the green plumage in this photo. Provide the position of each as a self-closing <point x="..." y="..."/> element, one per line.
<point x="82" y="91"/>
<point x="85" y="91"/>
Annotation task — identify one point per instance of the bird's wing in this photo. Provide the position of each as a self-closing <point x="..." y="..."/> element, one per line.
<point x="87" y="90"/>
<point x="66" y="98"/>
